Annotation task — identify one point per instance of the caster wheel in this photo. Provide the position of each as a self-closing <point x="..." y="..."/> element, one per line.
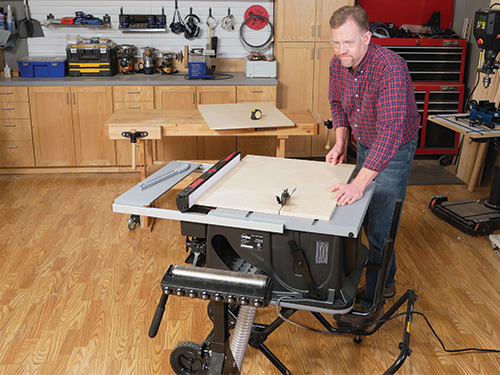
<point x="357" y="340"/>
<point x="133" y="221"/>
<point x="186" y="359"/>
<point x="445" y="160"/>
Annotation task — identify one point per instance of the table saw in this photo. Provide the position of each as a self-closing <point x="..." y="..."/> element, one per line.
<point x="236" y="223"/>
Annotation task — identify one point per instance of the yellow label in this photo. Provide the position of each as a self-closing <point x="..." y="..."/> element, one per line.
<point x="408" y="327"/>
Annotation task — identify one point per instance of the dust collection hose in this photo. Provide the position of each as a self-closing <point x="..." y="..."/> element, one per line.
<point x="241" y="333"/>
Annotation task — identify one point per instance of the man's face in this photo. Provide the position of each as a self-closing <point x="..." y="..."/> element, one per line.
<point x="350" y="43"/>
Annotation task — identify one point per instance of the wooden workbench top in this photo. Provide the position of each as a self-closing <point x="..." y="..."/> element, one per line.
<point x="190" y="122"/>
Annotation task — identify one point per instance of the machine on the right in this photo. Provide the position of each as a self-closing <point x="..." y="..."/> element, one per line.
<point x="479" y="217"/>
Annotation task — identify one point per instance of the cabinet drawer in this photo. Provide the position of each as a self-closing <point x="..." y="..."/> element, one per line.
<point x="13" y="94"/>
<point x="14" y="110"/>
<point x="15" y="130"/>
<point x="134" y="105"/>
<point x="133" y="93"/>
<point x="256" y="93"/>
<point x="16" y="154"/>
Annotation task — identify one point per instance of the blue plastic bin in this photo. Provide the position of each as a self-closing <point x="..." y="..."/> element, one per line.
<point x="33" y="66"/>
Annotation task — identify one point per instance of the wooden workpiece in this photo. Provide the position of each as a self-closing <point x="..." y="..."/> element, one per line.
<point x="254" y="183"/>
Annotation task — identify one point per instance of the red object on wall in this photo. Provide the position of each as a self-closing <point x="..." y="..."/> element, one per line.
<point x="256" y="23"/>
<point x="412" y="12"/>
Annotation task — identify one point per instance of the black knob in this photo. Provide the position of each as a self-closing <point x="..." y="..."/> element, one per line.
<point x="193" y="293"/>
<point x="168" y="291"/>
<point x="179" y="292"/>
<point x="231" y="299"/>
<point x="244" y="301"/>
<point x="218" y="297"/>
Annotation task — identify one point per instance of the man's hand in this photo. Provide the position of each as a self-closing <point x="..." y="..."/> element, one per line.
<point x="335" y="156"/>
<point x="350" y="193"/>
<point x="347" y="193"/>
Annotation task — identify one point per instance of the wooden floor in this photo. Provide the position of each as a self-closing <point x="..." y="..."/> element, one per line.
<point x="78" y="290"/>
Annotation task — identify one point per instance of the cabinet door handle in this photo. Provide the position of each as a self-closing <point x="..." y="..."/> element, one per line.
<point x="73" y="98"/>
<point x="312" y="53"/>
<point x="12" y="146"/>
<point x="318" y="54"/>
<point x="9" y="125"/>
<point x="257" y="91"/>
<point x="67" y="98"/>
<point x="199" y="98"/>
<point x="193" y="98"/>
<point x="319" y="30"/>
<point x="134" y="107"/>
<point x="7" y="92"/>
<point x="312" y="31"/>
<point x="134" y="92"/>
<point x="8" y="108"/>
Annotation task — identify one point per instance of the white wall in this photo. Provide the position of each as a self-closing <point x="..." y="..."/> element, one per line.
<point x="230" y="46"/>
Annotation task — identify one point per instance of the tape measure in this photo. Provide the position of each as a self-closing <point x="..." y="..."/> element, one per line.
<point x="256" y="114"/>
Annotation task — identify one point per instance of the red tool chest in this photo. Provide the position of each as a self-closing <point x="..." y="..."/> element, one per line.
<point x="437" y="69"/>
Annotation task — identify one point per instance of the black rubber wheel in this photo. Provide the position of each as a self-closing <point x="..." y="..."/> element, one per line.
<point x="445" y="160"/>
<point x="357" y="340"/>
<point x="185" y="359"/>
<point x="131" y="225"/>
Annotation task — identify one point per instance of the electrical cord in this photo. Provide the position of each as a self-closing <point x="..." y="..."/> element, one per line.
<point x="344" y="331"/>
<point x="260" y="46"/>
<point x="492" y="5"/>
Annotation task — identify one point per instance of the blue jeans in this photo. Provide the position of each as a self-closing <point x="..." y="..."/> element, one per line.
<point x="390" y="184"/>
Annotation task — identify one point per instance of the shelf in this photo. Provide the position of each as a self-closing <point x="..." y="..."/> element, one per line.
<point x="51" y="25"/>
<point x="141" y="29"/>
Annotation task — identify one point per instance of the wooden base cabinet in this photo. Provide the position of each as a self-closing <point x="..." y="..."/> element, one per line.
<point x="68" y="125"/>
<point x="16" y="145"/>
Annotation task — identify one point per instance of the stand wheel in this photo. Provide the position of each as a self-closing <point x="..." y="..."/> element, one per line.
<point x="133" y="221"/>
<point x="357" y="339"/>
<point x="445" y="160"/>
<point x="186" y="359"/>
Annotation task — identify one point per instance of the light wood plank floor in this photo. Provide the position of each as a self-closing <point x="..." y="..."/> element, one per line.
<point x="78" y="290"/>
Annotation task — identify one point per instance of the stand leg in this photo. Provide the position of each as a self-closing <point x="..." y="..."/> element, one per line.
<point x="280" y="145"/>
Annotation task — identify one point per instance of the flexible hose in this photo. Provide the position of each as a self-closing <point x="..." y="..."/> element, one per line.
<point x="241" y="333"/>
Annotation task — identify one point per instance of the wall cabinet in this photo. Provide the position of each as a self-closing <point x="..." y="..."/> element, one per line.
<point x="16" y="146"/>
<point x="68" y="125"/>
<point x="304" y="52"/>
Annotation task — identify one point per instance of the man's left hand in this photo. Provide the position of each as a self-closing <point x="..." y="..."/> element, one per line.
<point x="347" y="193"/>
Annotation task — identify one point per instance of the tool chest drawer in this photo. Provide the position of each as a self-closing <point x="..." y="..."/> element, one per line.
<point x="133" y="105"/>
<point x="15" y="130"/>
<point x="13" y="94"/>
<point x="256" y="94"/>
<point x="14" y="110"/>
<point x="16" y="154"/>
<point x="430" y="60"/>
<point x="133" y="94"/>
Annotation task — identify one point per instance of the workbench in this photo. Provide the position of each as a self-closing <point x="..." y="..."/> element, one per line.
<point x="189" y="122"/>
<point x="475" y="145"/>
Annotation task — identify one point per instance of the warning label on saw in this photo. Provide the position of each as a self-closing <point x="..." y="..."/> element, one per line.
<point x="252" y="241"/>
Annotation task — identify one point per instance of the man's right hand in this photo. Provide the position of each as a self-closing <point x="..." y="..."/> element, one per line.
<point x="336" y="155"/>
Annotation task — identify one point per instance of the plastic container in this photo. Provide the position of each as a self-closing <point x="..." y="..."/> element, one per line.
<point x="2" y="19"/>
<point x="33" y="66"/>
<point x="9" y="19"/>
<point x="260" y="69"/>
<point x="6" y="71"/>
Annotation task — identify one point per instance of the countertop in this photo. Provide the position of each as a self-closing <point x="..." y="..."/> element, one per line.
<point x="179" y="79"/>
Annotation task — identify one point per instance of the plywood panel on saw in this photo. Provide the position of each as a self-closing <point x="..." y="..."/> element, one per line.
<point x="238" y="116"/>
<point x="254" y="183"/>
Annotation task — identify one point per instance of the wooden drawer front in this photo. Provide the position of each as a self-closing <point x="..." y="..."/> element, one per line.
<point x="134" y="105"/>
<point x="16" y="130"/>
<point x="13" y="94"/>
<point x="256" y="94"/>
<point x="14" y="110"/>
<point x="16" y="154"/>
<point x="133" y="93"/>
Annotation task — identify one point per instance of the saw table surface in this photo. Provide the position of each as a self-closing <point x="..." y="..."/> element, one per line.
<point x="253" y="184"/>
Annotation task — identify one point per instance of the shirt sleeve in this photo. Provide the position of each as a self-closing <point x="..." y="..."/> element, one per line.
<point x="339" y="117"/>
<point x="391" y="113"/>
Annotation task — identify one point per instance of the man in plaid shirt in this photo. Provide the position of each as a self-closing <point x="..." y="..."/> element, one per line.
<point x="371" y="94"/>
